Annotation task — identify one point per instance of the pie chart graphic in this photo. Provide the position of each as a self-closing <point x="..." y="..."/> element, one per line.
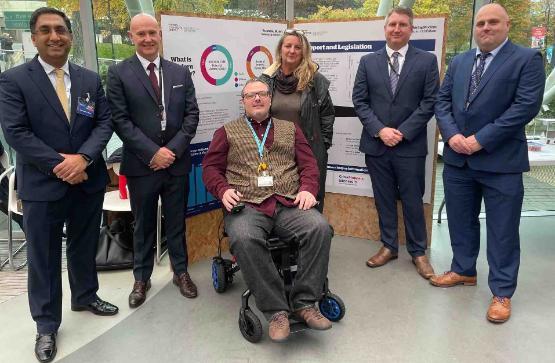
<point x="253" y="51"/>
<point x="205" y="68"/>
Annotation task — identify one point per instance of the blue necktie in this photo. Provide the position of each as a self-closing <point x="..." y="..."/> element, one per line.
<point x="477" y="74"/>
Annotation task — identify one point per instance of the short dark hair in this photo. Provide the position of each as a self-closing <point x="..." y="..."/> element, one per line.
<point x="47" y="10"/>
<point x="255" y="80"/>
<point x="402" y="11"/>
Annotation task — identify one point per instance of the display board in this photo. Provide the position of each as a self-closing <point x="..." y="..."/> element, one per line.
<point x="223" y="53"/>
<point x="337" y="48"/>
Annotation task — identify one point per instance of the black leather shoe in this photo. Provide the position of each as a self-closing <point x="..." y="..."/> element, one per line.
<point x="138" y="294"/>
<point x="45" y="347"/>
<point x="97" y="307"/>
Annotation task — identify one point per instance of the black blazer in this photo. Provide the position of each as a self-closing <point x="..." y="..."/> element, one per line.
<point x="408" y="110"/>
<point x="137" y="118"/>
<point x="36" y="127"/>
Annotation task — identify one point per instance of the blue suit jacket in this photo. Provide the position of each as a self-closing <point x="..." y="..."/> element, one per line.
<point x="509" y="96"/>
<point x="137" y="119"/>
<point x="35" y="125"/>
<point x="408" y="110"/>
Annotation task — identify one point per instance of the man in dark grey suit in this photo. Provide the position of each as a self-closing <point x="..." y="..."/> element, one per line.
<point x="155" y="113"/>
<point x="394" y="96"/>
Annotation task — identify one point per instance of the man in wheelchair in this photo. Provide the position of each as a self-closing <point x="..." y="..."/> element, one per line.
<point x="266" y="165"/>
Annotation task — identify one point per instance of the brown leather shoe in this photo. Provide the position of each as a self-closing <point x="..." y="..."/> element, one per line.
<point x="499" y="310"/>
<point x="278" y="329"/>
<point x="423" y="266"/>
<point x="381" y="258"/>
<point x="451" y="278"/>
<point x="138" y="294"/>
<point x="186" y="286"/>
<point x="314" y="319"/>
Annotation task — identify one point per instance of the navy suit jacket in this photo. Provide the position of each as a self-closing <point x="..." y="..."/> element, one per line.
<point x="137" y="119"/>
<point x="408" y="110"/>
<point x="508" y="97"/>
<point x="36" y="127"/>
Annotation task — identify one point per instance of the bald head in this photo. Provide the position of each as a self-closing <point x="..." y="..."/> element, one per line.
<point x="491" y="27"/>
<point x="145" y="34"/>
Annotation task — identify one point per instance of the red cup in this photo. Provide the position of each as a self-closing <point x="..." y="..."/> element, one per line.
<point x="122" y="187"/>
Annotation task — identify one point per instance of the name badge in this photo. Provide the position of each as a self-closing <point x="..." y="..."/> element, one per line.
<point x="85" y="107"/>
<point x="265" y="181"/>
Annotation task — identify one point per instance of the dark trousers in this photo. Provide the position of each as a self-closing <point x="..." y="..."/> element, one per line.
<point x="502" y="194"/>
<point x="44" y="223"/>
<point x="144" y="193"/>
<point x="248" y="232"/>
<point x="394" y="177"/>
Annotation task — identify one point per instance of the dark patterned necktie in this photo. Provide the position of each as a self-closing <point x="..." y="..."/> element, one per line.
<point x="153" y="79"/>
<point x="477" y="74"/>
<point x="394" y="73"/>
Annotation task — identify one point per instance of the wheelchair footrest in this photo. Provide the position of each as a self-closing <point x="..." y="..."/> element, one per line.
<point x="297" y="326"/>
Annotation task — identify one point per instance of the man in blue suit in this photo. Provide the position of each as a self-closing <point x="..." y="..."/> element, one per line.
<point x="54" y="114"/>
<point x="488" y="96"/>
<point x="156" y="115"/>
<point x="393" y="96"/>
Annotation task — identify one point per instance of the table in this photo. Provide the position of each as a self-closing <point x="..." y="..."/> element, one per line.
<point x="544" y="157"/>
<point x="112" y="202"/>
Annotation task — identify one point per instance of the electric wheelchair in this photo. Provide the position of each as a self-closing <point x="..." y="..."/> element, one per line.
<point x="284" y="255"/>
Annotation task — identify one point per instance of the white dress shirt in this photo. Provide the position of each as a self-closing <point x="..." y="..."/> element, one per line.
<point x="50" y="72"/>
<point x="402" y="56"/>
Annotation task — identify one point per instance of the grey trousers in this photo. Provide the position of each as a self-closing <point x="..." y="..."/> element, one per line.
<point x="248" y="231"/>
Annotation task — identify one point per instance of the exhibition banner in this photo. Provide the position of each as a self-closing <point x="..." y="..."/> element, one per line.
<point x="223" y="53"/>
<point x="337" y="47"/>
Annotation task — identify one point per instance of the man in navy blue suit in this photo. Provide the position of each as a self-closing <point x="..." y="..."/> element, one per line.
<point x="156" y="115"/>
<point x="488" y="96"/>
<point x="55" y="116"/>
<point x="393" y="96"/>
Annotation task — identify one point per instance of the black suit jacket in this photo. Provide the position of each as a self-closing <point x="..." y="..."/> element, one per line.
<point x="408" y="110"/>
<point x="36" y="127"/>
<point x="137" y="119"/>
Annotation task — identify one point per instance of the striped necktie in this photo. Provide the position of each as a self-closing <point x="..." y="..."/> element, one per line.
<point x="394" y="73"/>
<point x="61" y="91"/>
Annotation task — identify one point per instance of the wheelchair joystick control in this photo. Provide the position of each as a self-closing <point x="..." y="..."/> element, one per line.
<point x="238" y="208"/>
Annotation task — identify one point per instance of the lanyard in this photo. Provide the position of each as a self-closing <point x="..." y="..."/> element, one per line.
<point x="260" y="144"/>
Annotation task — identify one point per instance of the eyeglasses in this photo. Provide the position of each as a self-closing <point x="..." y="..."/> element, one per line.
<point x="294" y="32"/>
<point x="252" y="95"/>
<point x="60" y="30"/>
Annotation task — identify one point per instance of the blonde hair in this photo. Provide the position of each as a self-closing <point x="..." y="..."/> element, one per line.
<point x="307" y="68"/>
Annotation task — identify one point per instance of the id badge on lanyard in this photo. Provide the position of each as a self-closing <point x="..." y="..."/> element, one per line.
<point x="264" y="178"/>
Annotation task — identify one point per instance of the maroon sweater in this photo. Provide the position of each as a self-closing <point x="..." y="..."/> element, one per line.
<point x="214" y="166"/>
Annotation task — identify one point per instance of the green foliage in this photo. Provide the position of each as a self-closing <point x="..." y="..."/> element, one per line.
<point x="114" y="51"/>
<point x="191" y="6"/>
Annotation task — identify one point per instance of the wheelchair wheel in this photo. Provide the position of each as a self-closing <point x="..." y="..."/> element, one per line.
<point x="218" y="275"/>
<point x="250" y="326"/>
<point x="332" y="307"/>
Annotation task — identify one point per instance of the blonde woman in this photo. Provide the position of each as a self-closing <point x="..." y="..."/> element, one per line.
<point x="300" y="94"/>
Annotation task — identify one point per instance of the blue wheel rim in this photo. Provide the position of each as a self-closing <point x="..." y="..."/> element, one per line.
<point x="330" y="308"/>
<point x="215" y="281"/>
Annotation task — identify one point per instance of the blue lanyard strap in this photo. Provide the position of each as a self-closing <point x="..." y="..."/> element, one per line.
<point x="260" y="144"/>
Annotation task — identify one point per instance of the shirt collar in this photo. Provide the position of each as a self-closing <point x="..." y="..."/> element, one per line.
<point x="263" y="123"/>
<point x="402" y="51"/>
<point x="495" y="51"/>
<point x="50" y="68"/>
<point x="145" y="62"/>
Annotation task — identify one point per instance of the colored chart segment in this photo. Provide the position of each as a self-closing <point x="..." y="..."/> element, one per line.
<point x="204" y="68"/>
<point x="253" y="51"/>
